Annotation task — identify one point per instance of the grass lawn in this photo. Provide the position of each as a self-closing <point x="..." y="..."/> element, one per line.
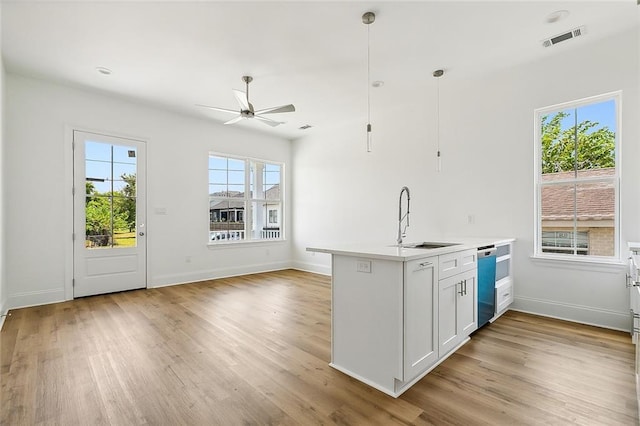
<point x="124" y="239"/>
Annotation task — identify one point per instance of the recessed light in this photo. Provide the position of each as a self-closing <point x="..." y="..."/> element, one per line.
<point x="556" y="16"/>
<point x="377" y="83"/>
<point x="103" y="70"/>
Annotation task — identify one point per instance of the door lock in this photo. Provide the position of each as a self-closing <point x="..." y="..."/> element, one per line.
<point x="141" y="233"/>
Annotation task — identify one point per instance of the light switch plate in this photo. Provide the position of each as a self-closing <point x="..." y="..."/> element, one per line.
<point x="363" y="266"/>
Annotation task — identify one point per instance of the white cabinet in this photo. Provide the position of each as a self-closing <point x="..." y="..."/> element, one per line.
<point x="420" y="316"/>
<point x="454" y="263"/>
<point x="504" y="278"/>
<point x="633" y="283"/>
<point x="385" y="315"/>
<point x="457" y="303"/>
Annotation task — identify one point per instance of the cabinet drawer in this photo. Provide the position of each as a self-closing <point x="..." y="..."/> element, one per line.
<point x="454" y="263"/>
<point x="504" y="295"/>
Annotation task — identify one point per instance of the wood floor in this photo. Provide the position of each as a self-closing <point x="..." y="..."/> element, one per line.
<point x="255" y="349"/>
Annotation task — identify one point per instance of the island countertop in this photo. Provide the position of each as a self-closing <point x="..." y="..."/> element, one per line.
<point x="402" y="254"/>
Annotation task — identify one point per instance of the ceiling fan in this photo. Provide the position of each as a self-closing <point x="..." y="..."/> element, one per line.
<point x="246" y="108"/>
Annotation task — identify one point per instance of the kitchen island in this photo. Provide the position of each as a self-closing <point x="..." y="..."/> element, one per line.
<point x="397" y="312"/>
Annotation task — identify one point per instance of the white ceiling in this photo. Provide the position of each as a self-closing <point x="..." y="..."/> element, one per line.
<point x="312" y="54"/>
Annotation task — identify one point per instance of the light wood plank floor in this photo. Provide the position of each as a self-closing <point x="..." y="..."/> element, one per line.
<point x="255" y="349"/>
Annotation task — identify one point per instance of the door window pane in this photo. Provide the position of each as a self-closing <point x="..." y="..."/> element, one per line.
<point x="110" y="207"/>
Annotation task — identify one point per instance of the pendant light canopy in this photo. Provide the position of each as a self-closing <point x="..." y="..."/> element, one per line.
<point x="369" y="18"/>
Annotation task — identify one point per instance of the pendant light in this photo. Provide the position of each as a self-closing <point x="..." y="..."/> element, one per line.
<point x="437" y="74"/>
<point x="369" y="18"/>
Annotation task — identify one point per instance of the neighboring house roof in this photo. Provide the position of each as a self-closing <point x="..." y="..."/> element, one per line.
<point x="272" y="193"/>
<point x="225" y="205"/>
<point x="594" y="200"/>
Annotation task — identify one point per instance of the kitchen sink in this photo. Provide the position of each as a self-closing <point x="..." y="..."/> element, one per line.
<point x="428" y="245"/>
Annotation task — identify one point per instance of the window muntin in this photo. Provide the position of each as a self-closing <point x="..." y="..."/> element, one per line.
<point x="236" y="214"/>
<point x="577" y="178"/>
<point x="110" y="200"/>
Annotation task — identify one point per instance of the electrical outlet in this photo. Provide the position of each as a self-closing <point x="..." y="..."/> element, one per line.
<point x="363" y="266"/>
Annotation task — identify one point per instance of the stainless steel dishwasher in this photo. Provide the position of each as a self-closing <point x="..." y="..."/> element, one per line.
<point x="486" y="283"/>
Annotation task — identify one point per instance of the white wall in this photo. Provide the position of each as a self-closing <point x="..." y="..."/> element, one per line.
<point x="487" y="172"/>
<point x="3" y="281"/>
<point x="38" y="202"/>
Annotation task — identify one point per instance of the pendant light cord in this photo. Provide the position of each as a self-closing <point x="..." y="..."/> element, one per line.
<point x="438" y="114"/>
<point x="368" y="76"/>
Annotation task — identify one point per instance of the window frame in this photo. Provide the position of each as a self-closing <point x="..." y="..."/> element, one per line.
<point x="616" y="96"/>
<point x="248" y="199"/>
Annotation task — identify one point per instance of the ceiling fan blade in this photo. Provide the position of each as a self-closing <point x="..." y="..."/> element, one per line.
<point x="218" y="109"/>
<point x="234" y="120"/>
<point x="268" y="121"/>
<point x="242" y="100"/>
<point x="283" y="108"/>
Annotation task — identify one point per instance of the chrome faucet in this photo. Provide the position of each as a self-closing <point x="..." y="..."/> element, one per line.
<point x="402" y="232"/>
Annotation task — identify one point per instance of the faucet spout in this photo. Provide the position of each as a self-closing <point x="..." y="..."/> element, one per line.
<point x="402" y="231"/>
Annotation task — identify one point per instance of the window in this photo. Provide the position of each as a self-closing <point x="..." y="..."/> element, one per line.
<point x="245" y="199"/>
<point x="577" y="183"/>
<point x="273" y="217"/>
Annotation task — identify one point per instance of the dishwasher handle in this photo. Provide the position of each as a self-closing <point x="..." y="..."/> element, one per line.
<point x="486" y="251"/>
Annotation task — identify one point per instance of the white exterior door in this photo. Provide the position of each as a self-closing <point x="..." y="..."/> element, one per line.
<point x="109" y="214"/>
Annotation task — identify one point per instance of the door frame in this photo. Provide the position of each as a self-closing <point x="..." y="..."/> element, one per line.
<point x="69" y="166"/>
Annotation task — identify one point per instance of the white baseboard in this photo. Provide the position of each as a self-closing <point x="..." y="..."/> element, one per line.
<point x="312" y="267"/>
<point x="576" y="313"/>
<point x="3" y="312"/>
<point x="35" y="298"/>
<point x="212" y="274"/>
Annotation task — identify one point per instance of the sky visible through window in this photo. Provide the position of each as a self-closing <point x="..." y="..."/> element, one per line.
<point x="98" y="165"/>
<point x="228" y="174"/>
<point x="601" y="112"/>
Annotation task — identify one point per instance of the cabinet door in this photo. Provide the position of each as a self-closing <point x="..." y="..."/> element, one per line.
<point x="420" y="316"/>
<point x="449" y="290"/>
<point x="457" y="310"/>
<point x="467" y="304"/>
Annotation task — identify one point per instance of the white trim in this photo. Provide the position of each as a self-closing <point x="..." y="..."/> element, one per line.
<point x="312" y="267"/>
<point x="212" y="274"/>
<point x="605" y="318"/>
<point x="67" y="150"/>
<point x="36" y="298"/>
<point x="616" y="96"/>
<point x="244" y="243"/>
<point x="3" y="313"/>
<point x="580" y="263"/>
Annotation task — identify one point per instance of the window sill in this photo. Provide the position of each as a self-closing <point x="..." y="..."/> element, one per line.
<point x="244" y="244"/>
<point x="588" y="264"/>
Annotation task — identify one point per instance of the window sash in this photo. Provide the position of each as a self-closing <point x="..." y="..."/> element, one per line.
<point x="259" y="177"/>
<point x="613" y="179"/>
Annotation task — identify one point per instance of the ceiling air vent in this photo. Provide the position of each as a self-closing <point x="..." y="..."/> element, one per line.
<point x="576" y="32"/>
